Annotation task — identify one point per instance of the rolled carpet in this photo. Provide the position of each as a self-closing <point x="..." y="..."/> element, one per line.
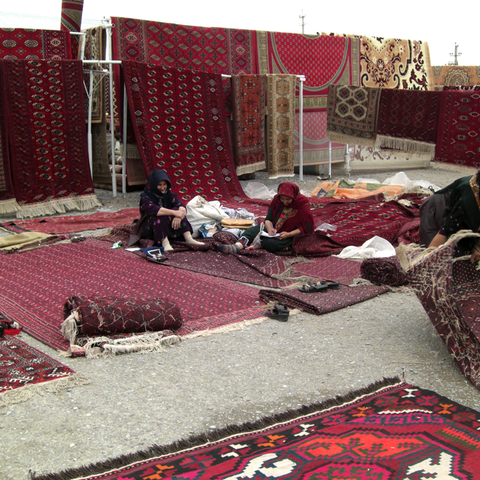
<point x="94" y="315"/>
<point x="383" y="271"/>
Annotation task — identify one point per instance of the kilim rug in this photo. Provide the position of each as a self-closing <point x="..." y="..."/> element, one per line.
<point x="180" y="126"/>
<point x="407" y="121"/>
<point x="395" y="63"/>
<point x="356" y="221"/>
<point x="25" y="372"/>
<point x="459" y="123"/>
<point x="456" y="75"/>
<point x="35" y="296"/>
<point x="249" y="122"/>
<point x="280" y="124"/>
<point x="31" y="44"/>
<point x="449" y="291"/>
<point x="319" y="303"/>
<point x="388" y="430"/>
<point x="352" y="114"/>
<point x="323" y="59"/>
<point x="73" y="223"/>
<point x="47" y="136"/>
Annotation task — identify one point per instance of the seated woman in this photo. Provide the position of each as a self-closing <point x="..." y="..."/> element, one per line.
<point x="288" y="216"/>
<point x="163" y="215"/>
<point x="451" y="209"/>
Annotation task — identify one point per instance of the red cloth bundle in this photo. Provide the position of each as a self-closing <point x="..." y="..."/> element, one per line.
<point x="85" y="316"/>
<point x="383" y="271"/>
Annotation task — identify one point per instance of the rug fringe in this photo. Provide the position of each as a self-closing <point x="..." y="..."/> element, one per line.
<point x="85" y="202"/>
<point x="9" y="206"/>
<point x="402" y="147"/>
<point x="22" y="394"/>
<point x="222" y="433"/>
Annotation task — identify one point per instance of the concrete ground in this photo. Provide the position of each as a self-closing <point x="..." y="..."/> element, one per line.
<point x="211" y="381"/>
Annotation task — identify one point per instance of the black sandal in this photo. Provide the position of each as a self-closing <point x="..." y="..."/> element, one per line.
<point x="279" y="312"/>
<point x="314" y="287"/>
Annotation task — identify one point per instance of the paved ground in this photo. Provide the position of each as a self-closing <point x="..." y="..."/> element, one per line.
<point x="134" y="401"/>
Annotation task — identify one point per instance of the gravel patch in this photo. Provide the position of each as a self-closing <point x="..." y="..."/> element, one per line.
<point x="211" y="381"/>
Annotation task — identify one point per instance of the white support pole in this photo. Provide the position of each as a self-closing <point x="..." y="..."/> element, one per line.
<point x="124" y="150"/>
<point x="89" y="134"/>
<point x="329" y="158"/>
<point x="300" y="129"/>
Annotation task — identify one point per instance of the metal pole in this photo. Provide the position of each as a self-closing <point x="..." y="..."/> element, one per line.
<point x="300" y="129"/>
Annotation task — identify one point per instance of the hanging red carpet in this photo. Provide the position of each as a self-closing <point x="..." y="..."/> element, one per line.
<point x="249" y="122"/>
<point x="47" y="136"/>
<point x="180" y="126"/>
<point x="389" y="430"/>
<point x="25" y="371"/>
<point x="31" y="44"/>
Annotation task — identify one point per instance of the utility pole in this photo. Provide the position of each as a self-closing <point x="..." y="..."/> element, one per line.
<point x="455" y="55"/>
<point x="302" y="16"/>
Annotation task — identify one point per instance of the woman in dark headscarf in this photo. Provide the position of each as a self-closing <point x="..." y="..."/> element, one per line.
<point x="451" y="209"/>
<point x="163" y="214"/>
<point x="288" y="216"/>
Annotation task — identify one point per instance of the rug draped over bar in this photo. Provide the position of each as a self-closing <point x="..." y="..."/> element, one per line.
<point x="180" y="126"/>
<point x="33" y="44"/>
<point x="388" y="430"/>
<point x="407" y="122"/>
<point x="395" y="63"/>
<point x="280" y="125"/>
<point x="249" y="122"/>
<point x="456" y="75"/>
<point x="71" y="21"/>
<point x="353" y="114"/>
<point x="47" y="136"/>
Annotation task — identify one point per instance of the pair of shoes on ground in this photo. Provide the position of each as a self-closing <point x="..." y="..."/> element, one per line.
<point x="279" y="312"/>
<point x="320" y="286"/>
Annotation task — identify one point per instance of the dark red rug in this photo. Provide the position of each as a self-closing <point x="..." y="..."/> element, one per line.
<point x="193" y="144"/>
<point x="73" y="223"/>
<point x="36" y="284"/>
<point x="449" y="291"/>
<point x="45" y="118"/>
<point x="25" y="371"/>
<point x="325" y="301"/>
<point x="388" y="430"/>
<point x="357" y="221"/>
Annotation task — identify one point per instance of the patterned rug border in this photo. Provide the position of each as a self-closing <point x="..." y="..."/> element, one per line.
<point x="220" y="435"/>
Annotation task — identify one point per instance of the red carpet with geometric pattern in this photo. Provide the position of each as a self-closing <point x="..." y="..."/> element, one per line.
<point x="390" y="430"/>
<point x="25" y="371"/>
<point x="37" y="283"/>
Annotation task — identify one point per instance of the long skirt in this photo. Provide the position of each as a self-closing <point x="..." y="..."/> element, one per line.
<point x="270" y="244"/>
<point x="159" y="228"/>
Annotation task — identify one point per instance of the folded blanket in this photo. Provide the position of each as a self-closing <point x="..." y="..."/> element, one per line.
<point x="86" y="316"/>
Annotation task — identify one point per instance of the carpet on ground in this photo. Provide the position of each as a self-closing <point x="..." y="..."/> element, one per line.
<point x="45" y="124"/>
<point x="73" y="223"/>
<point x="25" y="372"/>
<point x="358" y="220"/>
<point x="448" y="288"/>
<point x="325" y="301"/>
<point x="390" y="429"/>
<point x="249" y="102"/>
<point x="35" y="296"/>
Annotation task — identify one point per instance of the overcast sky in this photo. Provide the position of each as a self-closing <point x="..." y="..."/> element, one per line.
<point x="441" y="26"/>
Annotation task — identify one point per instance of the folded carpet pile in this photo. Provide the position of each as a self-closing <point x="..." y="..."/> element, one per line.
<point x="383" y="271"/>
<point x="95" y="315"/>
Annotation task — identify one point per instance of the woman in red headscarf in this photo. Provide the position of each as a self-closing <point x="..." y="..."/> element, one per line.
<point x="288" y="216"/>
